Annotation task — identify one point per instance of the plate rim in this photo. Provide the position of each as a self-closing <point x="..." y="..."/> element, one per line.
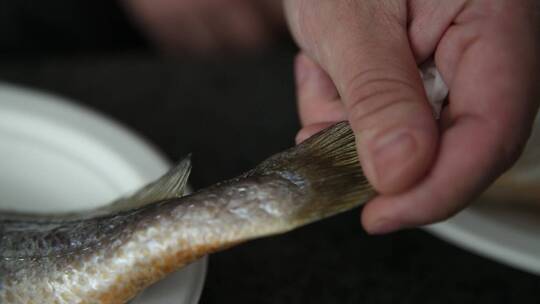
<point x="48" y="102"/>
<point x="456" y="231"/>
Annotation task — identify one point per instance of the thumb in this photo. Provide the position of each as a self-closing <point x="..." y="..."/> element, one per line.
<point x="377" y="77"/>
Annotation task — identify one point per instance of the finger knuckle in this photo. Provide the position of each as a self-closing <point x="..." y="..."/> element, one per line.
<point x="304" y="23"/>
<point x="374" y="94"/>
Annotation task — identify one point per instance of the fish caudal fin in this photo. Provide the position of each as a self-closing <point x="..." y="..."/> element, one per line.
<point x="327" y="167"/>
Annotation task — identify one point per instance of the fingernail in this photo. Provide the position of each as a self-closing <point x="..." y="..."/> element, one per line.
<point x="391" y="153"/>
<point x="301" y="70"/>
<point x="382" y="226"/>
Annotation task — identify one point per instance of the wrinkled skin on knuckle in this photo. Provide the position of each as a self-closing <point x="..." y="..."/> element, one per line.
<point x="383" y="117"/>
<point x="303" y="17"/>
<point x="375" y="100"/>
<point x="320" y="26"/>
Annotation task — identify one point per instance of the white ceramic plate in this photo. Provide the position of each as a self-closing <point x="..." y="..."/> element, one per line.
<point x="498" y="234"/>
<point x="55" y="155"/>
<point x="507" y="231"/>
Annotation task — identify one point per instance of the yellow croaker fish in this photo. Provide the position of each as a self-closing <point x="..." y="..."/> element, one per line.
<point x="111" y="254"/>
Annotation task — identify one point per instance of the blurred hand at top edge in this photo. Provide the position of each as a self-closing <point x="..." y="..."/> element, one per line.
<point x="208" y="26"/>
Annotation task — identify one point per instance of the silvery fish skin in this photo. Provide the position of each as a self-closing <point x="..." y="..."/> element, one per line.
<point x="111" y="254"/>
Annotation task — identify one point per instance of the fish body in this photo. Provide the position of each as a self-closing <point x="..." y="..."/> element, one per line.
<point x="110" y="254"/>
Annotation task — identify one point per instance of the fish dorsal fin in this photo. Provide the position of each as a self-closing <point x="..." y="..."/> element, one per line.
<point x="169" y="186"/>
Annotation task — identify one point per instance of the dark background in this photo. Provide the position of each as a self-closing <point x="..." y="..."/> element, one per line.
<point x="232" y="111"/>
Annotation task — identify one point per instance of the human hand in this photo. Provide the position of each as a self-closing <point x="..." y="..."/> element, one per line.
<point x="206" y="26"/>
<point x="359" y="62"/>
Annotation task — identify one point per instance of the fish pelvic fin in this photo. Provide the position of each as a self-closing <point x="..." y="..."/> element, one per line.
<point x="326" y="168"/>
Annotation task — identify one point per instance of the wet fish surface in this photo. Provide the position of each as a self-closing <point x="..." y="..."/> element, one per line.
<point x="110" y="254"/>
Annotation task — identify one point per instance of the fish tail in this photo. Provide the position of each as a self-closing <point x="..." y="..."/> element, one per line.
<point x="326" y="167"/>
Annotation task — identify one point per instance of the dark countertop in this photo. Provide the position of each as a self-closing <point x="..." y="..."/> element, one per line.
<point x="232" y="113"/>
